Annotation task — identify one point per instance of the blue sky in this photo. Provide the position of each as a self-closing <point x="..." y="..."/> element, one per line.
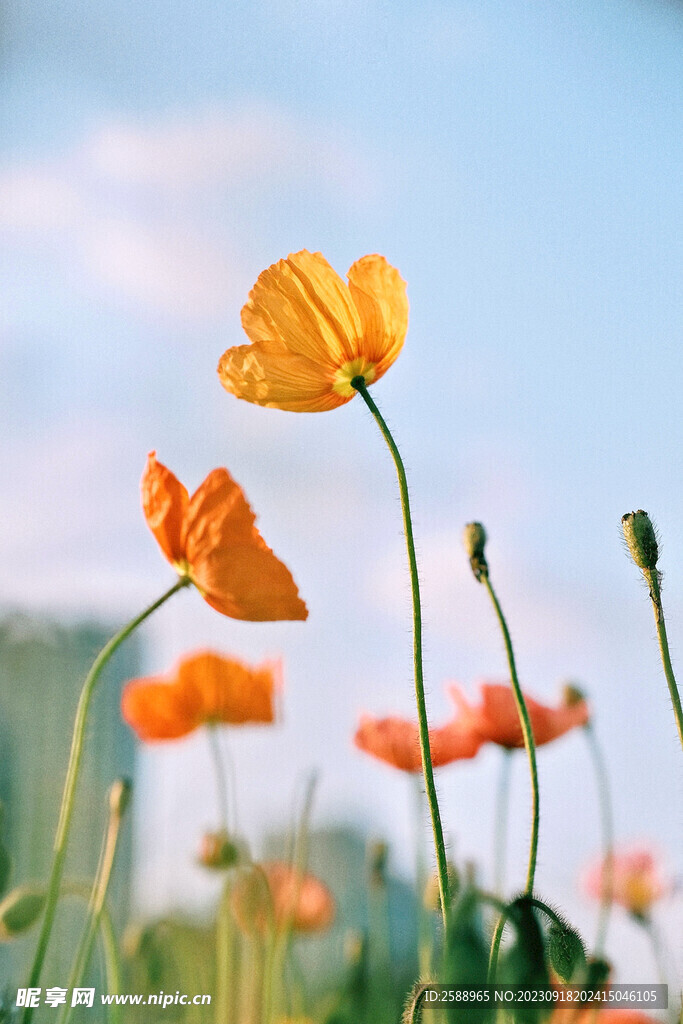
<point x="520" y="164"/>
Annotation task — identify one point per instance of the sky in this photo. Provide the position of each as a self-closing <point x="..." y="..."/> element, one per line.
<point x="520" y="164"/>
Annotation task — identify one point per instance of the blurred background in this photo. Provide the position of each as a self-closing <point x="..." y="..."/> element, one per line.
<point x="520" y="164"/>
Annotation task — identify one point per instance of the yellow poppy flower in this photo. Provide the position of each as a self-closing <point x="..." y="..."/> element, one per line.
<point x="311" y="333"/>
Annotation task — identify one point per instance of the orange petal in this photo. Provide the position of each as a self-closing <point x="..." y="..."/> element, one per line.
<point x="393" y="740"/>
<point x="397" y="742"/>
<point x="226" y="690"/>
<point x="268" y="374"/>
<point x="497" y="720"/>
<point x="277" y="891"/>
<point x="230" y="562"/>
<point x="302" y="303"/>
<point x="159" y="710"/>
<point x="379" y="293"/>
<point x="164" y="501"/>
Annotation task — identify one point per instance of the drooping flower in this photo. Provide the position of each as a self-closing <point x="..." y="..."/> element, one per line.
<point x="635" y="880"/>
<point x="205" y="688"/>
<point x="311" y="333"/>
<point x="397" y="742"/>
<point x="276" y="892"/>
<point x="495" y="719"/>
<point x="210" y="539"/>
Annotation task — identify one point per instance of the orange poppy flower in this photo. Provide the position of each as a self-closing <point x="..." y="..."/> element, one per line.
<point x="636" y="880"/>
<point x="496" y="719"/>
<point x="397" y="742"/>
<point x="210" y="539"/>
<point x="311" y="333"/>
<point x="297" y="900"/>
<point x="205" y="688"/>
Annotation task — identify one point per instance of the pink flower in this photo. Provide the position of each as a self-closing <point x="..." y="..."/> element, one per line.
<point x="636" y="880"/>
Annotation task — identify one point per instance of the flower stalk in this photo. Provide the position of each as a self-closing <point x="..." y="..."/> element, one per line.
<point x="423" y="724"/>
<point x="119" y="797"/>
<point x="641" y="539"/>
<point x="72" y="774"/>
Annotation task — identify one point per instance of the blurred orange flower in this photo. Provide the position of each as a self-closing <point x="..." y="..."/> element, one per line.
<point x="496" y="720"/>
<point x="397" y="741"/>
<point x="297" y="900"/>
<point x="311" y="333"/>
<point x="205" y="688"/>
<point x="210" y="538"/>
<point x="636" y="880"/>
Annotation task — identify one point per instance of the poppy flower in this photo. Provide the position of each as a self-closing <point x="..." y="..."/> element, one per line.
<point x="397" y="742"/>
<point x="205" y="688"/>
<point x="636" y="880"/>
<point x="210" y="539"/>
<point x="299" y="901"/>
<point x="311" y="333"/>
<point x="495" y="720"/>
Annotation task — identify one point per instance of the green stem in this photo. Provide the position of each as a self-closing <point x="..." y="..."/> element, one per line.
<point x="112" y="966"/>
<point x="527" y="733"/>
<point x="221" y="784"/>
<point x="423" y="725"/>
<point x="501" y="824"/>
<point x="657" y="947"/>
<point x="424" y="920"/>
<point x="227" y="958"/>
<point x="607" y="822"/>
<point x="97" y="902"/>
<point x="653" y="581"/>
<point x="72" y="773"/>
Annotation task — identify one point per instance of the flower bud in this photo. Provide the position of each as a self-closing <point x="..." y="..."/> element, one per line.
<point x="566" y="952"/>
<point x="378" y="854"/>
<point x="474" y="539"/>
<point x="354" y="947"/>
<point x="120" y="793"/>
<point x="431" y="897"/>
<point x="641" y="539"/>
<point x="5" y="868"/>
<point x="219" y="852"/>
<point x="19" y="910"/>
<point x="572" y="695"/>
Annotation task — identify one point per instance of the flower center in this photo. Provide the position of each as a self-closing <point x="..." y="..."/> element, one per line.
<point x="359" y="367"/>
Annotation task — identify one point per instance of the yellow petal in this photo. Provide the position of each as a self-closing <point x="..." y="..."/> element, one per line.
<point x="268" y="374"/>
<point x="302" y="303"/>
<point x="379" y="293"/>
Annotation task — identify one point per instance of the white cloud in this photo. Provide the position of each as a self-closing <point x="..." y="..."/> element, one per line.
<point x="153" y="212"/>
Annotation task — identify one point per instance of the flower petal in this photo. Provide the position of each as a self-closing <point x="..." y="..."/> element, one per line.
<point x="227" y="690"/>
<point x="268" y="374"/>
<point x="497" y="721"/>
<point x="379" y="293"/>
<point x="159" y="710"/>
<point x="230" y="562"/>
<point x="164" y="501"/>
<point x="397" y="742"/>
<point x="302" y="303"/>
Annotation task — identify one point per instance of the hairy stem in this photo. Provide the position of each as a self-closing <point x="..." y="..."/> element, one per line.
<point x="72" y="773"/>
<point x="423" y="724"/>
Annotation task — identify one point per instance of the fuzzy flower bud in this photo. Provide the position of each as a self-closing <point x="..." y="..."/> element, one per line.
<point x="218" y="851"/>
<point x="120" y="793"/>
<point x="474" y="539"/>
<point x="566" y="952"/>
<point x="19" y="910"/>
<point x="641" y="539"/>
<point x="572" y="695"/>
<point x="378" y="853"/>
